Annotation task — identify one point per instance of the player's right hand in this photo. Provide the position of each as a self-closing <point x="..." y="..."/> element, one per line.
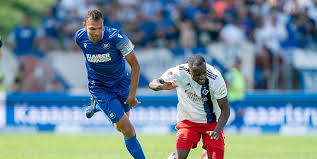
<point x="169" y="85"/>
<point x="132" y="102"/>
<point x="213" y="134"/>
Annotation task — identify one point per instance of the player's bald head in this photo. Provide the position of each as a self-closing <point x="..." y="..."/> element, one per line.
<point x="197" y="68"/>
<point x="196" y="61"/>
<point x="94" y="14"/>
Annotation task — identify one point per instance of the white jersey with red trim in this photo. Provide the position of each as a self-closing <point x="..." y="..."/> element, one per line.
<point x="197" y="103"/>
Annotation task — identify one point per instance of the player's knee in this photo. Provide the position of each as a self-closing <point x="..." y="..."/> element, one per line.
<point x="117" y="128"/>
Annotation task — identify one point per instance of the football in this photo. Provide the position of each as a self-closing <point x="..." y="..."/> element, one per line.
<point x="204" y="155"/>
<point x="171" y="156"/>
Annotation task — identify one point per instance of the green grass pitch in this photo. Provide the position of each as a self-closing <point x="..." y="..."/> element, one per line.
<point x="50" y="146"/>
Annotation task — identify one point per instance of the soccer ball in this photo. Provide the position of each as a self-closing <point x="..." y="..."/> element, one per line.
<point x="204" y="155"/>
<point x="171" y="156"/>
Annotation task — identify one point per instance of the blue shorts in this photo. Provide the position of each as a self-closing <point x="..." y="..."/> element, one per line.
<point x="111" y="99"/>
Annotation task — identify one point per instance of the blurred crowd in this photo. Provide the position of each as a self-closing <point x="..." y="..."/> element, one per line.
<point x="273" y="26"/>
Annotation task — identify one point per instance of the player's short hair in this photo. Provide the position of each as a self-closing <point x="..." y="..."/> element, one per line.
<point x="196" y="60"/>
<point x="94" y="14"/>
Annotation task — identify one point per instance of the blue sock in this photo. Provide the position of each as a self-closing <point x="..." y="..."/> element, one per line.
<point x="134" y="147"/>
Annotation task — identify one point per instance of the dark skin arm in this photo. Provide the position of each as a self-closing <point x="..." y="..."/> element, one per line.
<point x="160" y="84"/>
<point x="135" y="74"/>
<point x="223" y="118"/>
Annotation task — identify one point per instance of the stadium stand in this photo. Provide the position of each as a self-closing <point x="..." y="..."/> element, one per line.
<point x="263" y="33"/>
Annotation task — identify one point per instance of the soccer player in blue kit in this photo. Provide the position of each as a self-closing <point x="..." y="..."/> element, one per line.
<point x="110" y="86"/>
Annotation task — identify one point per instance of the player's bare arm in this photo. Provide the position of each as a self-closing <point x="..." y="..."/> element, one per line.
<point x="135" y="74"/>
<point x="223" y="118"/>
<point x="160" y="84"/>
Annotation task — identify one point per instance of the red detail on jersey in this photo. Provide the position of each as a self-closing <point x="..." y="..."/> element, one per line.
<point x="170" y="73"/>
<point x="222" y="91"/>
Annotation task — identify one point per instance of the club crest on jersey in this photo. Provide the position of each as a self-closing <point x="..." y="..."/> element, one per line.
<point x="205" y="91"/>
<point x="112" y="115"/>
<point x="85" y="45"/>
<point x="120" y="36"/>
<point x="106" y="45"/>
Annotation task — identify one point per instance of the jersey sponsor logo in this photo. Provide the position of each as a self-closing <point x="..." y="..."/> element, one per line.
<point x="98" y="58"/>
<point x="195" y="98"/>
<point x="223" y="90"/>
<point x="106" y="45"/>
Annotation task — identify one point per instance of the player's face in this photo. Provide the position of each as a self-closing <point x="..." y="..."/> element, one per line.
<point x="198" y="74"/>
<point x="94" y="29"/>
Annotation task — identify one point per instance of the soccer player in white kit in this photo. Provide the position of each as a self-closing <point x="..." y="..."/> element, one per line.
<point x="203" y="108"/>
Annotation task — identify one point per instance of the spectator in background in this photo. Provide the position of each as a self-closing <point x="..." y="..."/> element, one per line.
<point x="165" y="29"/>
<point x="36" y="75"/>
<point x="70" y="24"/>
<point x="22" y="38"/>
<point x="150" y="7"/>
<point x="235" y="82"/>
<point x="232" y="33"/>
<point x="236" y="85"/>
<point x="271" y="34"/>
<point x="88" y="4"/>
<point x="58" y="10"/>
<point x="48" y="34"/>
<point x="187" y="36"/>
<point x="291" y="7"/>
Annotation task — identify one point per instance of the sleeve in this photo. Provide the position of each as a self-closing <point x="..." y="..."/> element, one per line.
<point x="0" y="42"/>
<point x="219" y="87"/>
<point x="122" y="42"/>
<point x="170" y="74"/>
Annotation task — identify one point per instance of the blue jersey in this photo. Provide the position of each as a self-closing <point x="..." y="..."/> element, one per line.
<point x="104" y="59"/>
<point x="24" y="38"/>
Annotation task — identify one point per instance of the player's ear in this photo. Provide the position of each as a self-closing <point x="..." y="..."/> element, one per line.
<point x="84" y="24"/>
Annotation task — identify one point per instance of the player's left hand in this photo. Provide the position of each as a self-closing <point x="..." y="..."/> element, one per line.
<point x="213" y="134"/>
<point x="132" y="102"/>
